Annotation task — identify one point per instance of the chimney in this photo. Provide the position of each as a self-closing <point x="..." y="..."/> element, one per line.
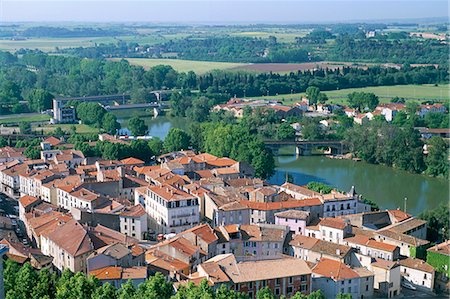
<point x="338" y="251"/>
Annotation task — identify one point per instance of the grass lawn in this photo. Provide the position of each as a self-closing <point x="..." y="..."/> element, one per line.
<point x="16" y="119"/>
<point x="418" y="92"/>
<point x="199" y="67"/>
<point x="81" y="129"/>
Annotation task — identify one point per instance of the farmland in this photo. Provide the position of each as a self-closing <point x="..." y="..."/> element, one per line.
<point x="29" y="117"/>
<point x="412" y="92"/>
<point x="180" y="65"/>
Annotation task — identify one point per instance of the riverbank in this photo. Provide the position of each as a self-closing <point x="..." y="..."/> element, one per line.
<point x="385" y="185"/>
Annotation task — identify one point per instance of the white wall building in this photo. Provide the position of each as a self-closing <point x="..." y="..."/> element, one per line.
<point x="171" y="210"/>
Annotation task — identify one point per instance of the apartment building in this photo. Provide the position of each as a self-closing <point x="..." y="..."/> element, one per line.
<point x="372" y="248"/>
<point x="133" y="221"/>
<point x="284" y="275"/>
<point x="170" y="209"/>
<point x="334" y="277"/>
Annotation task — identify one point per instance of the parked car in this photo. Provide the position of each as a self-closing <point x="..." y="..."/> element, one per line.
<point x="406" y="284"/>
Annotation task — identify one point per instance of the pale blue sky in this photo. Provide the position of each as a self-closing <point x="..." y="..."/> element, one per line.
<point x="217" y="11"/>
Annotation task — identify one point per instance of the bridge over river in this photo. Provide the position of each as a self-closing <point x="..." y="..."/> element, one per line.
<point x="305" y="147"/>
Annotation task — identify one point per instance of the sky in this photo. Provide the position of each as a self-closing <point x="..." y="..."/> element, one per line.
<point x="219" y="11"/>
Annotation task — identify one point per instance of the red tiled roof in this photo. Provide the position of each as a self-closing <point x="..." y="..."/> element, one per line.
<point x="337" y="223"/>
<point x="334" y="269"/>
<point x="268" y="206"/>
<point x="27" y="200"/>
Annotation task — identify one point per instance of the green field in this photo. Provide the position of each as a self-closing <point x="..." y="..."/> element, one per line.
<point x="412" y="92"/>
<point x="81" y="129"/>
<point x="199" y="67"/>
<point x="16" y="119"/>
<point x="283" y="37"/>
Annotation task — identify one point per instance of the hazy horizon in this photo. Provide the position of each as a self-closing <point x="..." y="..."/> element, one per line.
<point x="220" y="12"/>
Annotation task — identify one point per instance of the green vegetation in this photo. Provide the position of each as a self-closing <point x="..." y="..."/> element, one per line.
<point x="439" y="262"/>
<point x="24" y="282"/>
<point x="79" y="128"/>
<point x="140" y="149"/>
<point x="10" y="119"/>
<point x="363" y="101"/>
<point x="180" y="65"/>
<point x="95" y="77"/>
<point x="319" y="187"/>
<point x="137" y="126"/>
<point x="437" y="221"/>
<point x="315" y="96"/>
<point x="407" y="50"/>
<point x="416" y="92"/>
<point x="176" y="140"/>
<point x="382" y="143"/>
<point x="437" y="158"/>
<point x="94" y="115"/>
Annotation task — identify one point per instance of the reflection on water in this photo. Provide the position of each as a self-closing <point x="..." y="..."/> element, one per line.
<point x="160" y="126"/>
<point x="385" y="185"/>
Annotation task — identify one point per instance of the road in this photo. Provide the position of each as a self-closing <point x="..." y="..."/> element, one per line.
<point x="19" y="115"/>
<point x="7" y="204"/>
<point x="420" y="294"/>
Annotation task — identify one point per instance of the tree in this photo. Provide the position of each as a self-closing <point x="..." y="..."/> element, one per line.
<point x="319" y="187"/>
<point x="11" y="269"/>
<point x="110" y="123"/>
<point x="26" y="279"/>
<point x="312" y="93"/>
<point x="126" y="291"/>
<point x="140" y="149"/>
<point x="312" y="131"/>
<point x="199" y="110"/>
<point x="32" y="152"/>
<point x="180" y="103"/>
<point x="176" y="139"/>
<point x="322" y="98"/>
<point x="90" y="113"/>
<point x="437" y="222"/>
<point x="436" y="120"/>
<point x="45" y="287"/>
<point x="39" y="100"/>
<point x="437" y="158"/>
<point x="363" y="101"/>
<point x="265" y="293"/>
<point x="106" y="291"/>
<point x="316" y="295"/>
<point x="137" y="126"/>
<point x="10" y="93"/>
<point x="285" y="132"/>
<point x="156" y="146"/>
<point x="400" y="119"/>
<point x="58" y="132"/>
<point x="155" y="287"/>
<point x="25" y="128"/>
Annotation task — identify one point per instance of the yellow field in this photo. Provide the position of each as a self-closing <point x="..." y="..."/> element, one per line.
<point x="199" y="67"/>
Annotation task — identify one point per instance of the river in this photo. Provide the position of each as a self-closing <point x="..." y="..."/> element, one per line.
<point x="387" y="186"/>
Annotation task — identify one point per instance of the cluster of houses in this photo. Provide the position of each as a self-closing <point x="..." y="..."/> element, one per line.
<point x="237" y="107"/>
<point x="194" y="216"/>
<point x="389" y="110"/>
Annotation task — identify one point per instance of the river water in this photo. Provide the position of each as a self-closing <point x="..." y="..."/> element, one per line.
<point x="387" y="186"/>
